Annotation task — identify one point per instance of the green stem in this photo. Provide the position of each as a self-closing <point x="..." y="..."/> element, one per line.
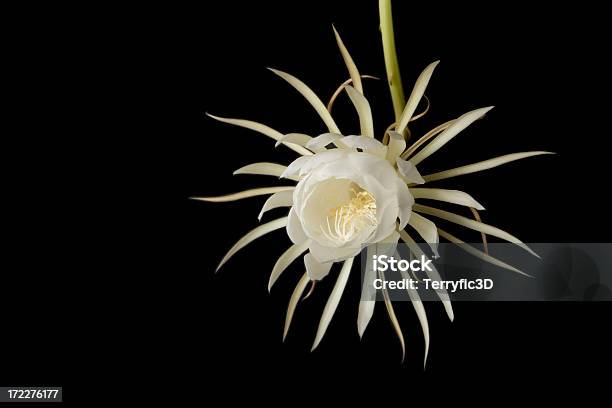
<point x="393" y="74"/>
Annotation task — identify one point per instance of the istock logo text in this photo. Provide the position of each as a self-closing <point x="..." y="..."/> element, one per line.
<point x="382" y="263"/>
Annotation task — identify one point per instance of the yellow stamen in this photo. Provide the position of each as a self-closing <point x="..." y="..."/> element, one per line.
<point x="351" y="218"/>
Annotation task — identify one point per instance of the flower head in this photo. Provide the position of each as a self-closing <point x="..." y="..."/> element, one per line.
<point x="354" y="191"/>
<point x="346" y="199"/>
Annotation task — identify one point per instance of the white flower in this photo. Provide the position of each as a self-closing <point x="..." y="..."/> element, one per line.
<point x="344" y="200"/>
<point x="354" y="190"/>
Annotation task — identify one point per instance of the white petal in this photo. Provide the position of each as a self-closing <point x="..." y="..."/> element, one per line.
<point x="315" y="269"/>
<point x="391" y="238"/>
<point x="364" y="315"/>
<point x="433" y="132"/>
<point x="421" y="314"/>
<point x="266" y="130"/>
<point x="397" y="144"/>
<point x="427" y="230"/>
<point x="393" y="318"/>
<point x="480" y="166"/>
<point x="405" y="202"/>
<point x="295" y="167"/>
<point x="367" y="144"/>
<point x="409" y="172"/>
<point x="339" y="90"/>
<point x="363" y="110"/>
<point x="386" y="246"/>
<point x="479" y="254"/>
<point x="317" y="203"/>
<point x="352" y="68"/>
<point x="387" y="214"/>
<point x="303" y="165"/>
<point x="448" y="196"/>
<point x="321" y="141"/>
<point x="252" y="236"/>
<point x="370" y="172"/>
<point x="362" y="142"/>
<point x="322" y="158"/>
<point x="294" y="228"/>
<point x="311" y="97"/>
<point x="285" y="260"/>
<point x="366" y="307"/>
<point x="264" y="169"/>
<point x="332" y="302"/>
<point x="415" y="96"/>
<point x="472" y="224"/>
<point x="280" y="199"/>
<point x="458" y="125"/>
<point x="433" y="274"/>
<point x="324" y="254"/>
<point x="244" y="194"/>
<point x="293" y="302"/>
<point x="299" y="139"/>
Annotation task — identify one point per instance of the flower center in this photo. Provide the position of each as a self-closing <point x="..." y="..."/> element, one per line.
<point x="351" y="218"/>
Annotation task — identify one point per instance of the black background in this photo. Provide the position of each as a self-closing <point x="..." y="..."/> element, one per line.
<point x="158" y="310"/>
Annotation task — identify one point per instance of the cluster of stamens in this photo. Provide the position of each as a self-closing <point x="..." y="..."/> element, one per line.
<point x="350" y="218"/>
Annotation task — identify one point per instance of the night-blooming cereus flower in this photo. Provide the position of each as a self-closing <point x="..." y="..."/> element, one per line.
<point x="356" y="190"/>
<point x="346" y="198"/>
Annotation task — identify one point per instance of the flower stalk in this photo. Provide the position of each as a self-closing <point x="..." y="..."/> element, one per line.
<point x="392" y="67"/>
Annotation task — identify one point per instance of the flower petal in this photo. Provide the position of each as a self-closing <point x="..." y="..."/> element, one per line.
<point x="264" y="169"/>
<point x="389" y="212"/>
<point x="409" y="172"/>
<point x="311" y="97"/>
<point x="290" y="255"/>
<point x="362" y="142"/>
<point x="244" y="194"/>
<point x="453" y="130"/>
<point x="448" y="196"/>
<point x="364" y="315"/>
<point x="421" y="314"/>
<point x="363" y="110"/>
<point x="368" y="293"/>
<point x="315" y="269"/>
<point x="252" y="236"/>
<point x="433" y="274"/>
<point x="280" y="199"/>
<point x="415" y="96"/>
<point x="433" y="132"/>
<point x="350" y="65"/>
<point x="483" y="165"/>
<point x="266" y="130"/>
<point x="339" y="90"/>
<point x="405" y="202"/>
<point x="427" y="230"/>
<point x="321" y="141"/>
<point x="393" y="317"/>
<point x="294" y="228"/>
<point x="479" y="254"/>
<point x="397" y="144"/>
<point x="324" y="254"/>
<point x="332" y="302"/>
<point x="472" y="224"/>
<point x="295" y="166"/>
<point x="299" y="139"/>
<point x="367" y="144"/>
<point x="293" y="302"/>
<point x="303" y="165"/>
